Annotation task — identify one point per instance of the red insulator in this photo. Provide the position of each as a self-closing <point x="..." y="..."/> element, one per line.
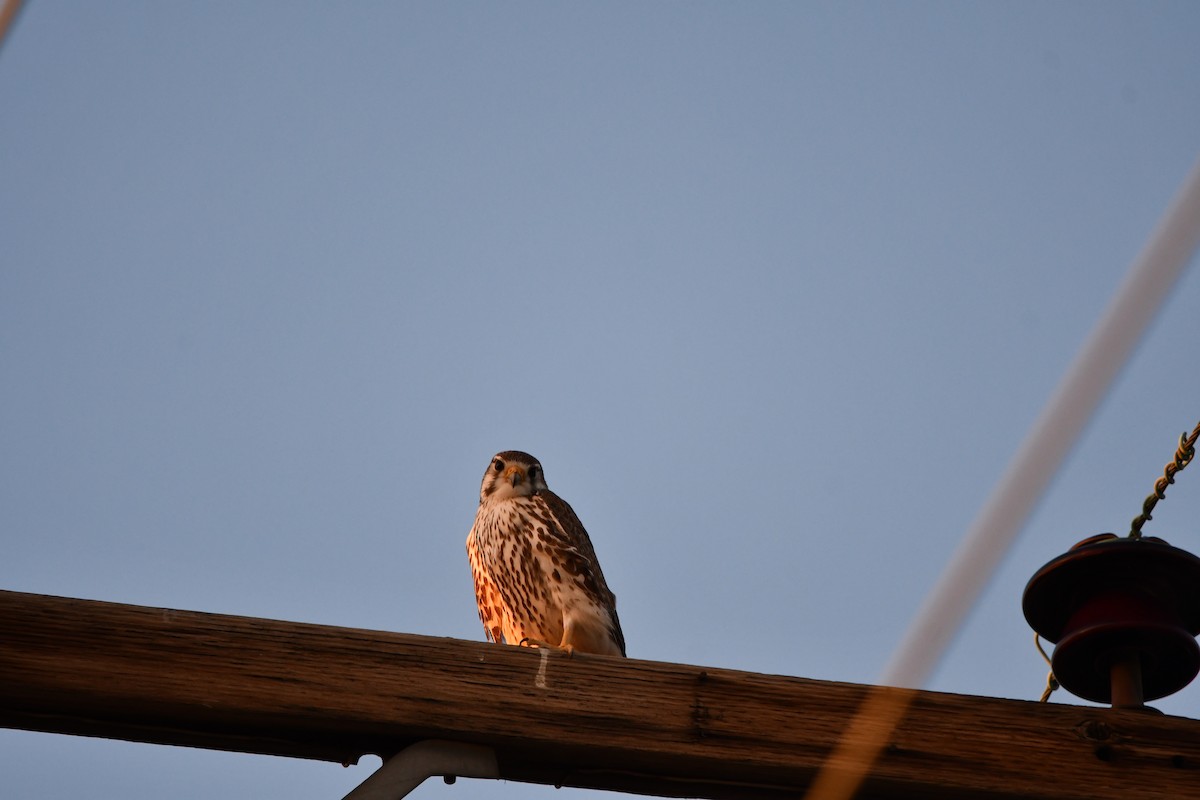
<point x="1124" y="614"/>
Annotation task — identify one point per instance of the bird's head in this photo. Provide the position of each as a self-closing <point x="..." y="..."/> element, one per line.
<point x="511" y="474"/>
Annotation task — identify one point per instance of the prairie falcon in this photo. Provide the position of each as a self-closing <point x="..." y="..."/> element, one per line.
<point x="537" y="580"/>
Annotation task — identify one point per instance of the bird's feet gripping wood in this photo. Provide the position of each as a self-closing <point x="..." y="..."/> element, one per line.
<point x="569" y="649"/>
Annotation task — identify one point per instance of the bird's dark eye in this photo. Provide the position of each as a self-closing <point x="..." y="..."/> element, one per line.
<point x="533" y="470"/>
<point x="499" y="465"/>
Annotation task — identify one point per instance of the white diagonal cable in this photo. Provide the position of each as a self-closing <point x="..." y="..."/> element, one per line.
<point x="8" y="13"/>
<point x="1002" y="517"/>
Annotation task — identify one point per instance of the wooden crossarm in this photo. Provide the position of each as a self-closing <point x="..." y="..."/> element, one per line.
<point x="293" y="689"/>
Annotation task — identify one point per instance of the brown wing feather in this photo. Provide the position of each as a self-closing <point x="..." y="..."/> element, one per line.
<point x="576" y="549"/>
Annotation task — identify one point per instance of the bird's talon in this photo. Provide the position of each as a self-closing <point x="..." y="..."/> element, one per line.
<point x="569" y="649"/>
<point x="528" y="642"/>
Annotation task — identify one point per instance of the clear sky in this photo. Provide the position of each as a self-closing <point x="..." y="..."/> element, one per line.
<point x="773" y="290"/>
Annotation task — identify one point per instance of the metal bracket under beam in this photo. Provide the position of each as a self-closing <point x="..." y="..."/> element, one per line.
<point x="409" y="768"/>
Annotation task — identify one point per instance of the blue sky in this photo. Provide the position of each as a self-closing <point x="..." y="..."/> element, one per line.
<point x="773" y="291"/>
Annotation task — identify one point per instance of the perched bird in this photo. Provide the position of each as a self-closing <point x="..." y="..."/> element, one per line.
<point x="537" y="580"/>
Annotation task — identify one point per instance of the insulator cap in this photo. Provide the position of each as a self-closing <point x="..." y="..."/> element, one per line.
<point x="1110" y="599"/>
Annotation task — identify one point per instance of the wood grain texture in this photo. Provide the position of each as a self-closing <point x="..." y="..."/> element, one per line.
<point x="293" y="689"/>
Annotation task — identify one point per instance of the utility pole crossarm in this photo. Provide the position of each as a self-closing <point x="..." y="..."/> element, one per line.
<point x="293" y="689"/>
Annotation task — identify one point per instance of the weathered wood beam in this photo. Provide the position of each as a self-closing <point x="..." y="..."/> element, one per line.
<point x="285" y="688"/>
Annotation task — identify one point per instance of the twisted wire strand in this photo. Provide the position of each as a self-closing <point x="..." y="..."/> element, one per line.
<point x="1183" y="456"/>
<point x="1051" y="681"/>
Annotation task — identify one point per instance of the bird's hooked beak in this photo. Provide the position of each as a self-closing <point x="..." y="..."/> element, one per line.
<point x="514" y="475"/>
